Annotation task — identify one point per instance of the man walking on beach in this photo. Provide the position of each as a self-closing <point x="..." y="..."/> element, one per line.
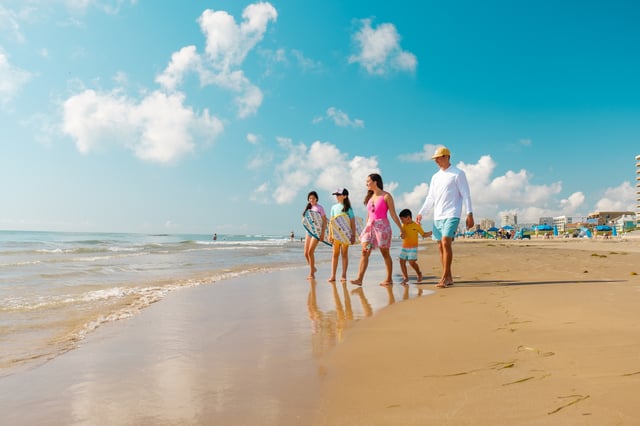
<point x="447" y="191"/>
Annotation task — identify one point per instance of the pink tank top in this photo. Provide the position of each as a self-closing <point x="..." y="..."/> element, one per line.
<point x="377" y="210"/>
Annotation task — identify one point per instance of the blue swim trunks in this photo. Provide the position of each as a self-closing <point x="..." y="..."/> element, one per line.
<point x="409" y="253"/>
<point x="445" y="228"/>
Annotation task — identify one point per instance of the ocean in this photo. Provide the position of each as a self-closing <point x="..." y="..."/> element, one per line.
<point x="56" y="287"/>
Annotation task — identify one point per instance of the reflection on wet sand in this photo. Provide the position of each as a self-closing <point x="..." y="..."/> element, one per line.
<point x="328" y="324"/>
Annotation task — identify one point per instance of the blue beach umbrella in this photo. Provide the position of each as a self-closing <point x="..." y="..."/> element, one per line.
<point x="603" y="228"/>
<point x="544" y="228"/>
<point x="492" y="229"/>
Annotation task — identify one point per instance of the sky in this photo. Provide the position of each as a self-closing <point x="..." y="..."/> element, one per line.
<point x="220" y="116"/>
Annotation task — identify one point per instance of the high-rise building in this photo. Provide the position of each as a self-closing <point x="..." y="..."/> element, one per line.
<point x="509" y="219"/>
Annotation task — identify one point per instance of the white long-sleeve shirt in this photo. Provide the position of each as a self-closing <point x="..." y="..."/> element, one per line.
<point x="448" y="190"/>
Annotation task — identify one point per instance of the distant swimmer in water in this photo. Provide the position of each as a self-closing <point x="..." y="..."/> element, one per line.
<point x="215" y="237"/>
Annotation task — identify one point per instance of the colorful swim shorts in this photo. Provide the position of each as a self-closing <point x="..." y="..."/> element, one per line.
<point x="409" y="253"/>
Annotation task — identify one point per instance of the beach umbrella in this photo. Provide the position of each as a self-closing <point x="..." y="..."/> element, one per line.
<point x="603" y="228"/>
<point x="492" y="229"/>
<point x="544" y="228"/>
<point x="507" y="227"/>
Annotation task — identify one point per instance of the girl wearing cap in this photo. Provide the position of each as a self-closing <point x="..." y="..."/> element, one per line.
<point x="377" y="231"/>
<point x="310" y="242"/>
<point x="342" y="206"/>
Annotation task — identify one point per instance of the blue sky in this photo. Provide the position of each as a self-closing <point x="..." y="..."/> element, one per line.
<point x="219" y="116"/>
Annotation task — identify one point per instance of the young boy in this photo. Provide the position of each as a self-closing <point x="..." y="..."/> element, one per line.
<point x="409" y="250"/>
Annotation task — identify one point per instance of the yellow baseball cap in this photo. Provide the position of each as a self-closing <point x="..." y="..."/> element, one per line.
<point x="441" y="152"/>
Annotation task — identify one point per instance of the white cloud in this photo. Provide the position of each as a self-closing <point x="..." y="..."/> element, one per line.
<point x="571" y="204"/>
<point x="620" y="198"/>
<point x="321" y="167"/>
<point x="11" y="79"/>
<point x="159" y="129"/>
<point x="226" y="47"/>
<point x="110" y="7"/>
<point x="181" y="61"/>
<point x="253" y="139"/>
<point x="340" y="118"/>
<point x="413" y="200"/>
<point x="260" y="194"/>
<point x="304" y="62"/>
<point x="9" y="23"/>
<point x="425" y="155"/>
<point x="512" y="192"/>
<point x="379" y="50"/>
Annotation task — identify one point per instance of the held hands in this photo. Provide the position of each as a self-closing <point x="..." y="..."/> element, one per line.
<point x="418" y="219"/>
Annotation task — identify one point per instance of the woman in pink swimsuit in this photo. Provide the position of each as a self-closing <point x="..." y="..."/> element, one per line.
<point x="377" y="232"/>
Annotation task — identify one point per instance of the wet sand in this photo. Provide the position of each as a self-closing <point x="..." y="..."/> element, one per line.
<point x="239" y="351"/>
<point x="541" y="332"/>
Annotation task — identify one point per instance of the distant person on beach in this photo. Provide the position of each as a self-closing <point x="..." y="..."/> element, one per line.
<point x="292" y="236"/>
<point x="448" y="190"/>
<point x="215" y="237"/>
<point x="377" y="231"/>
<point x="343" y="206"/>
<point x="409" y="252"/>
<point x="311" y="242"/>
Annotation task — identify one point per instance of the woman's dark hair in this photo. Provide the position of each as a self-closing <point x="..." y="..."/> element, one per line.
<point x="378" y="180"/>
<point x="315" y="194"/>
<point x="346" y="203"/>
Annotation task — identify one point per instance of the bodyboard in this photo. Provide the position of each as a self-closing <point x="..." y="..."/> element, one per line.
<point x="341" y="228"/>
<point x="312" y="222"/>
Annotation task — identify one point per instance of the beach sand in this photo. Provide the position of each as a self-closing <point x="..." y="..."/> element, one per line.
<point x="532" y="333"/>
<point x="540" y="332"/>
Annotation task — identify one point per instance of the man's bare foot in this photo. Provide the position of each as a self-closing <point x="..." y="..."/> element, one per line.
<point x="356" y="282"/>
<point x="386" y="283"/>
<point x="343" y="279"/>
<point x="404" y="281"/>
<point x="419" y="279"/>
<point x="441" y="284"/>
<point x="332" y="280"/>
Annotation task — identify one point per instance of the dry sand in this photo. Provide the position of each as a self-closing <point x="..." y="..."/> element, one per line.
<point x="532" y="333"/>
